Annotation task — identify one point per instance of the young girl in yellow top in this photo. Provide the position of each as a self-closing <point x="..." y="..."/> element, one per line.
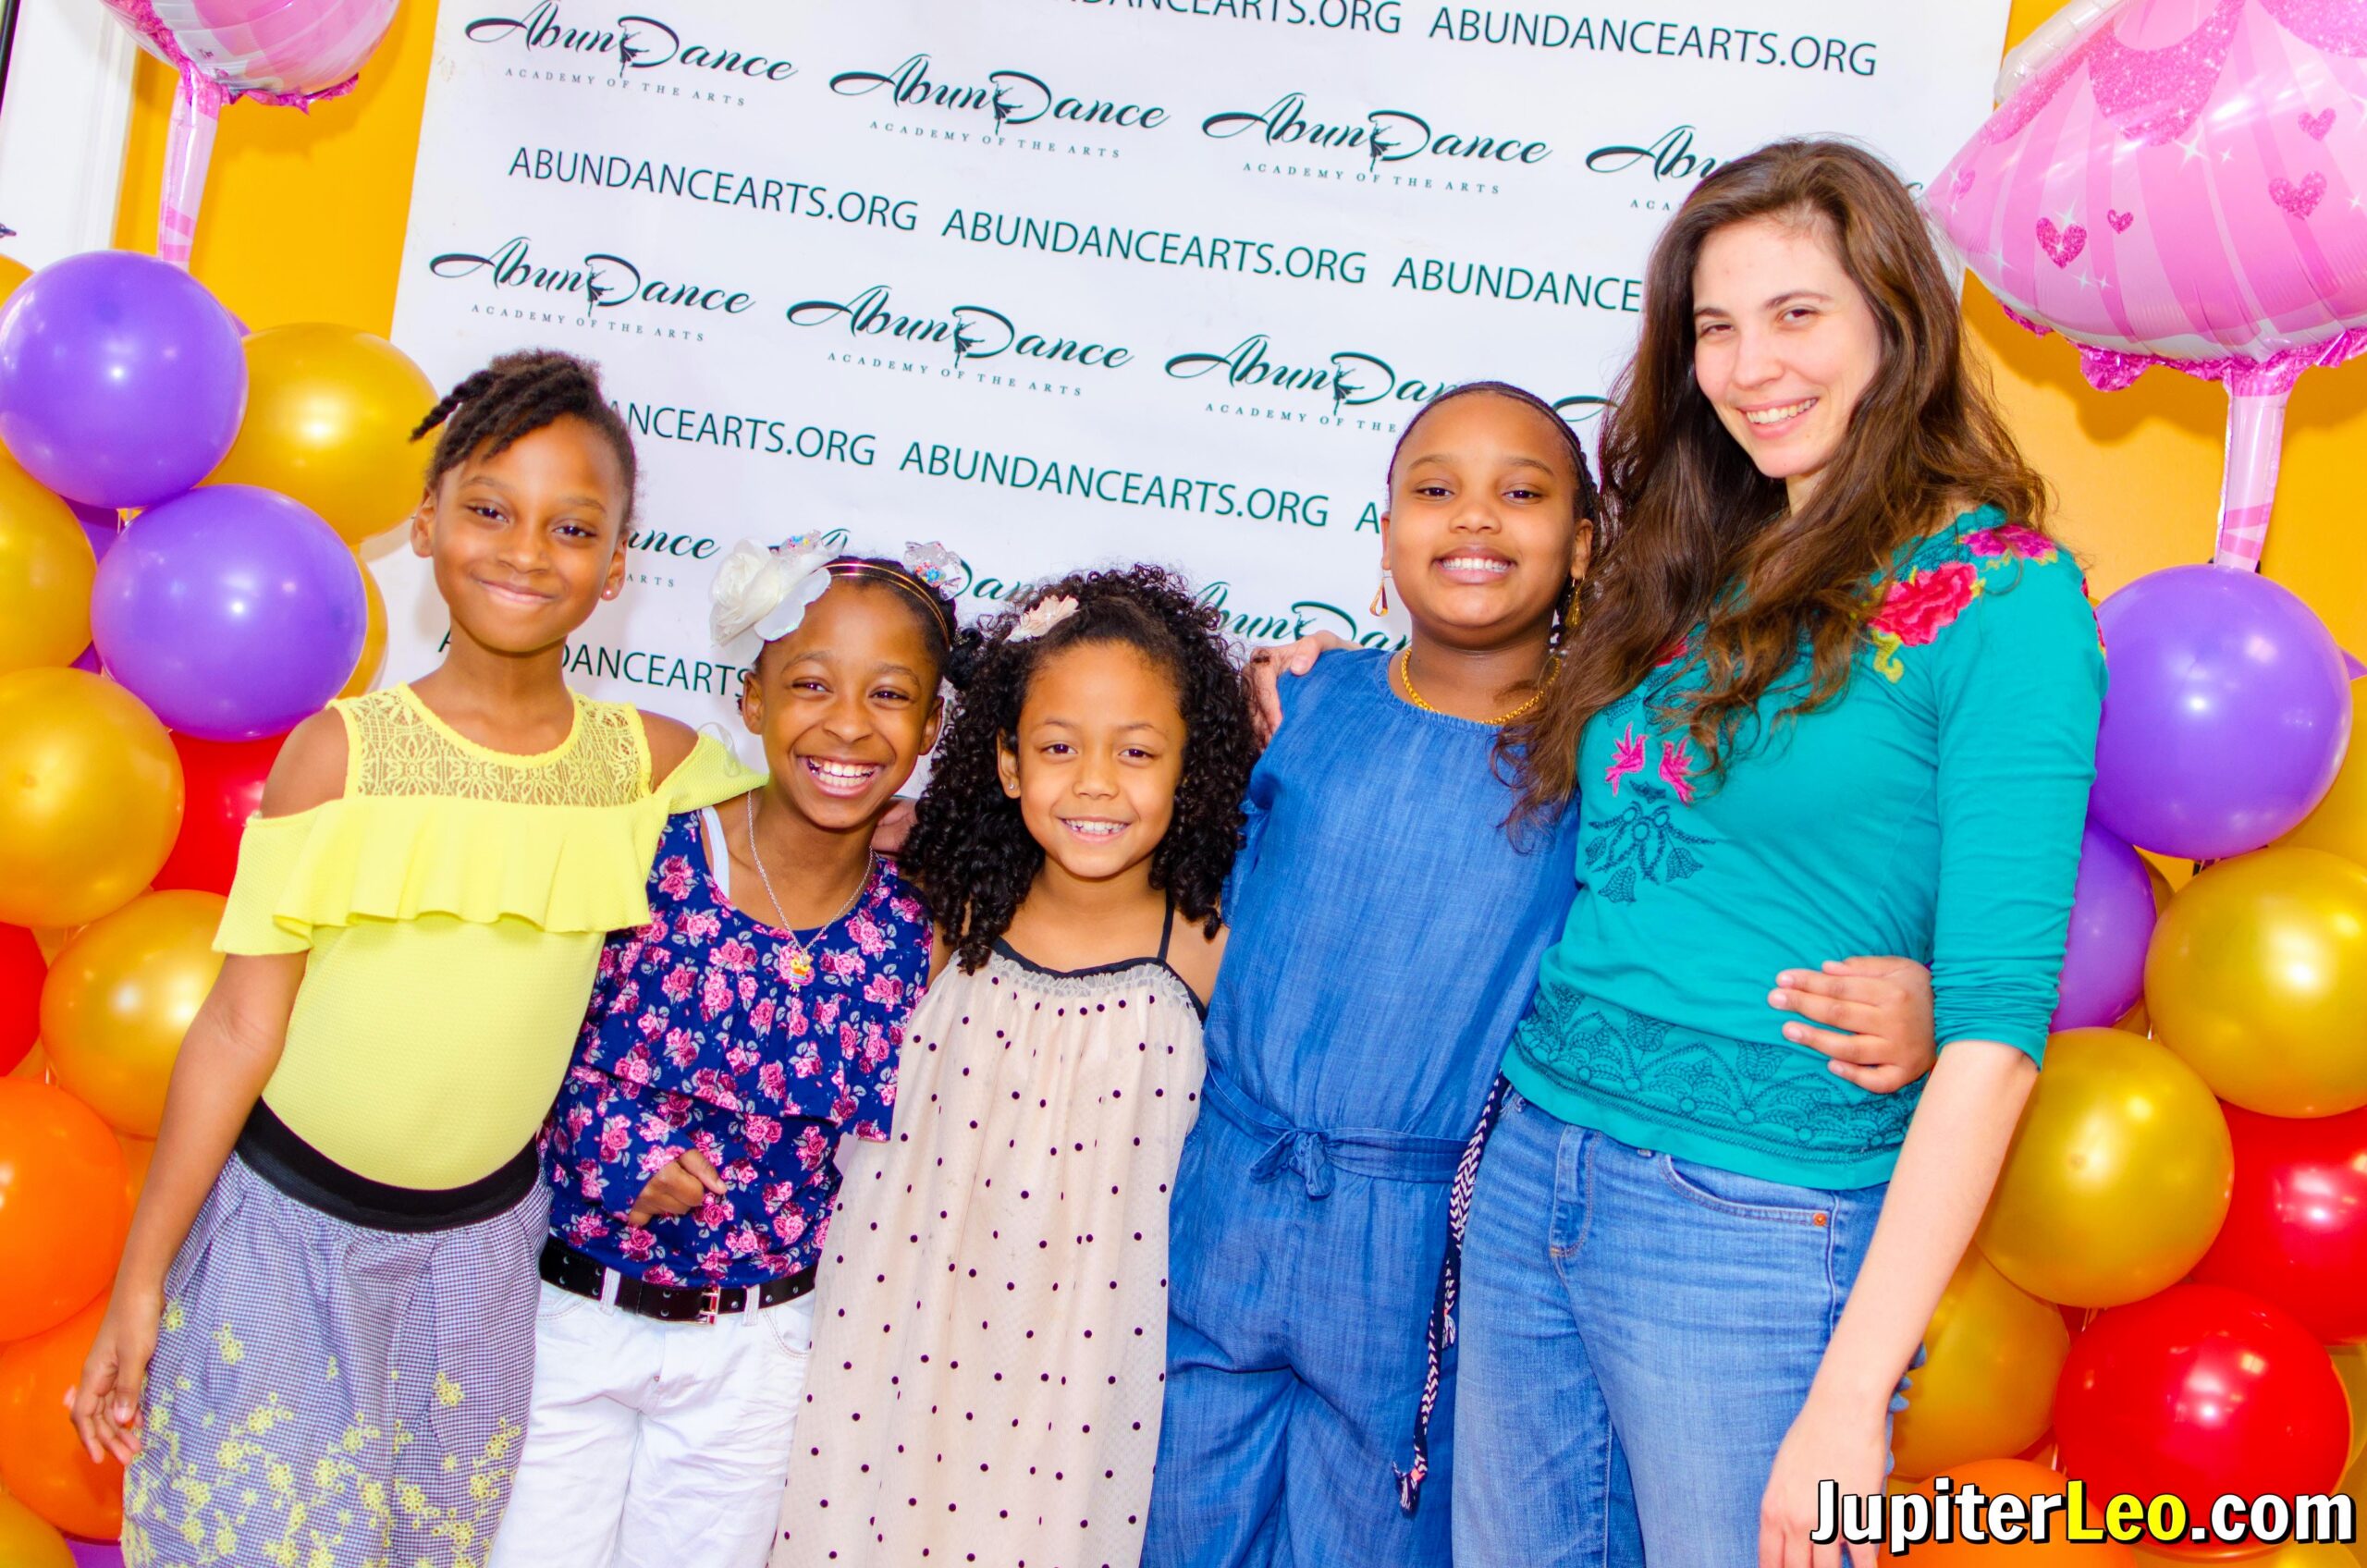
<point x="345" y="1188"/>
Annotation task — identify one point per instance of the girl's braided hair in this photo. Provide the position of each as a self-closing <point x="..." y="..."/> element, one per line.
<point x="513" y="398"/>
<point x="971" y="854"/>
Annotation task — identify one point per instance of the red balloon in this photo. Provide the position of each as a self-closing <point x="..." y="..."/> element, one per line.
<point x="22" y="972"/>
<point x="2201" y="1390"/>
<point x="2296" y="1234"/>
<point x="224" y="781"/>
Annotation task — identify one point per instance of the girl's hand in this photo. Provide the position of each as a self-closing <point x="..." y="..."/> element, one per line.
<point x="105" y="1405"/>
<point x="894" y="826"/>
<point x="678" y="1189"/>
<point x="1267" y="667"/>
<point x="1877" y="1013"/>
<point x="1847" y="1446"/>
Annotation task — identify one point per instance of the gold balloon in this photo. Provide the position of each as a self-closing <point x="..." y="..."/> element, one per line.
<point x="329" y="416"/>
<point x="121" y="995"/>
<point x="2136" y="1021"/>
<point x="2340" y="825"/>
<point x="1986" y="1387"/>
<point x="45" y="570"/>
<point x="2350" y="1362"/>
<point x="373" y="639"/>
<point x="2118" y="1179"/>
<point x="90" y="797"/>
<point x="12" y="273"/>
<point x="28" y="1540"/>
<point x="2257" y="976"/>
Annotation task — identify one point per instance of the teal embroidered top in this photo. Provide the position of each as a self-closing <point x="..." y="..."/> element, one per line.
<point x="1932" y="809"/>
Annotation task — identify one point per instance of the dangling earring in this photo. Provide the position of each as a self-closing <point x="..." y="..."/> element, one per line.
<point x="1381" y="596"/>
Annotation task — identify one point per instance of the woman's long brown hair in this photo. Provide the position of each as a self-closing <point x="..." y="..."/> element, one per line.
<point x="1696" y="536"/>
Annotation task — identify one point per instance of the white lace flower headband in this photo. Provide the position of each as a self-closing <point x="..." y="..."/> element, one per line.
<point x="762" y="593"/>
<point x="1041" y="617"/>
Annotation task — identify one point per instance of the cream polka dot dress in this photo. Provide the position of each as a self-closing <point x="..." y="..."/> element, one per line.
<point x="990" y="1325"/>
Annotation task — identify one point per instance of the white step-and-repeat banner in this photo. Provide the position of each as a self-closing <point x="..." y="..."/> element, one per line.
<point x="1063" y="282"/>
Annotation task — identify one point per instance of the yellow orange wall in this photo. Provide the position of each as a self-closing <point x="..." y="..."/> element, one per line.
<point x="304" y="221"/>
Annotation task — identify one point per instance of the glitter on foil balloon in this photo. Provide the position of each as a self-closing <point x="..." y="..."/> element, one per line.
<point x="286" y="51"/>
<point x="2182" y="182"/>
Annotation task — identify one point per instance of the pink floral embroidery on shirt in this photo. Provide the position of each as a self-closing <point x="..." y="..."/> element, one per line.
<point x="1917" y="608"/>
<point x="1628" y="758"/>
<point x="2011" y="539"/>
<point x="1676" y="768"/>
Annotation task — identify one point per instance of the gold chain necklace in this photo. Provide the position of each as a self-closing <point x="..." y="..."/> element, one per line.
<point x="801" y="960"/>
<point x="1405" y="676"/>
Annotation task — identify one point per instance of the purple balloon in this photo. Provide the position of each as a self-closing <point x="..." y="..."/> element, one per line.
<point x="2112" y="921"/>
<point x="2226" y="716"/>
<point x="121" y="379"/>
<point x="233" y="612"/>
<point x="94" y="1554"/>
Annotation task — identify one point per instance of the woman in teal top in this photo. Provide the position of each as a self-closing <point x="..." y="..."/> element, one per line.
<point x="1833" y="687"/>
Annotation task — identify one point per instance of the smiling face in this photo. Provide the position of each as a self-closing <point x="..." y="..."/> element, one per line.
<point x="1096" y="760"/>
<point x="1483" y="536"/>
<point x="847" y="705"/>
<point x="527" y="542"/>
<point x="1783" y="344"/>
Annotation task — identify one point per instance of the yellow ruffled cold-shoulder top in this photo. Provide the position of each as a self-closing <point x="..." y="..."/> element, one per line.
<point x="452" y="904"/>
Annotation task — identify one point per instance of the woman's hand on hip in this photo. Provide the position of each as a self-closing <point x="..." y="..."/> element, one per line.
<point x="1875" y="1015"/>
<point x="1829" y="1441"/>
<point x="1268" y="665"/>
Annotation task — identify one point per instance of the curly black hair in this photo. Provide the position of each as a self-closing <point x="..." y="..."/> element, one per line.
<point x="971" y="854"/>
<point x="515" y="396"/>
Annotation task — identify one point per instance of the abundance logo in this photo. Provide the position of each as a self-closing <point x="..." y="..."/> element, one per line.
<point x="972" y="332"/>
<point x="600" y="281"/>
<point x="1670" y="155"/>
<point x="1350" y="378"/>
<point x="1383" y="136"/>
<point x="634" y="43"/>
<point x="1012" y="97"/>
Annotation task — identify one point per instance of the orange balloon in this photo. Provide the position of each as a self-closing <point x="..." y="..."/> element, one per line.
<point x="329" y="416"/>
<point x="373" y="639"/>
<point x="27" y="1540"/>
<point x="62" y="1214"/>
<point x="1986" y="1386"/>
<point x="41" y="1458"/>
<point x="120" y="996"/>
<point x="46" y="566"/>
<point x="138" y="1153"/>
<point x="2117" y="1178"/>
<point x="90" y="797"/>
<point x="2020" y="1476"/>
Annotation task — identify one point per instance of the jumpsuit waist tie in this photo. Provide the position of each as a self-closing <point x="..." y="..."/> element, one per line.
<point x="1314" y="1152"/>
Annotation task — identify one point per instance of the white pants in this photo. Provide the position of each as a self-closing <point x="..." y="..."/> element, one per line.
<point x="655" y="1445"/>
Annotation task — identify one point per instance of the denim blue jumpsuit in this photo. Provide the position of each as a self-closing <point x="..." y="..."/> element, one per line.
<point x="1386" y="933"/>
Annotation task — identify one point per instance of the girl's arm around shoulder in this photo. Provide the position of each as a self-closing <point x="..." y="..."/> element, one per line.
<point x="1196" y="956"/>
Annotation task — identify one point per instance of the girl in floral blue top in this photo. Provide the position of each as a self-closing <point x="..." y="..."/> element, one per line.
<point x="729" y="1043"/>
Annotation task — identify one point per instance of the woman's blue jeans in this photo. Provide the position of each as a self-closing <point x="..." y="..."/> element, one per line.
<point x="1632" y="1319"/>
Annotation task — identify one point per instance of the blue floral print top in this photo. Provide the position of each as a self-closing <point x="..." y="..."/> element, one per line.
<point x="711" y="1031"/>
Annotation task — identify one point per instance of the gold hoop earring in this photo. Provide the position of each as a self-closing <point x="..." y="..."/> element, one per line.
<point x="1381" y="596"/>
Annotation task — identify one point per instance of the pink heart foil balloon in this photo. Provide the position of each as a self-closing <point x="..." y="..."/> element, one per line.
<point x="2232" y="129"/>
<point x="291" y="53"/>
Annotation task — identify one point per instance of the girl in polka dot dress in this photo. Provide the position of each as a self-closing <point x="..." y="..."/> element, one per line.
<point x="991" y="1318"/>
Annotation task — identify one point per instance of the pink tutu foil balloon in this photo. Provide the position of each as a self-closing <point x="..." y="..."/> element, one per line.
<point x="284" y="52"/>
<point x="2182" y="182"/>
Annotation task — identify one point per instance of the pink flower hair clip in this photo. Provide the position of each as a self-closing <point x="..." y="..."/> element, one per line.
<point x="1041" y="617"/>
